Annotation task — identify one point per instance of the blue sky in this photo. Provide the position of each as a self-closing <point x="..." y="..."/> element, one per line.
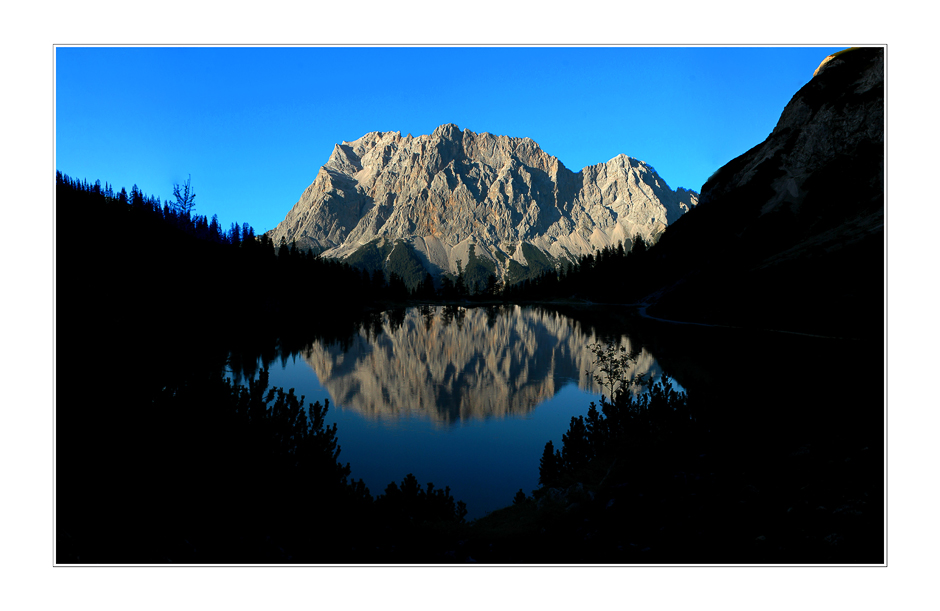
<point x="252" y="125"/>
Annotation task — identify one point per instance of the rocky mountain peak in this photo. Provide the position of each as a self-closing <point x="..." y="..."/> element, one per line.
<point x="441" y="192"/>
<point x="448" y="131"/>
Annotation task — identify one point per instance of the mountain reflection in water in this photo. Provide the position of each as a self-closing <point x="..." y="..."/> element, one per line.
<point x="452" y="364"/>
<point x="461" y="397"/>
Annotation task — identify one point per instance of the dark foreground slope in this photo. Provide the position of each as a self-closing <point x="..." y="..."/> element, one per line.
<point x="790" y="234"/>
<point x="159" y="458"/>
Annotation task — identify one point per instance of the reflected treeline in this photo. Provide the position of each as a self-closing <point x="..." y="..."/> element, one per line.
<point x="251" y="353"/>
<point x="450" y="363"/>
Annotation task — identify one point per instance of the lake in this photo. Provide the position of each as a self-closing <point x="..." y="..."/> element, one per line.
<point x="461" y="397"/>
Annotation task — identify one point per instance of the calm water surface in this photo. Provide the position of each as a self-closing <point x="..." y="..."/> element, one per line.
<point x="465" y="398"/>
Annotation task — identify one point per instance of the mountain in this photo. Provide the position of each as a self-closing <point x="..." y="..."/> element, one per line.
<point x="790" y="235"/>
<point x="456" y="194"/>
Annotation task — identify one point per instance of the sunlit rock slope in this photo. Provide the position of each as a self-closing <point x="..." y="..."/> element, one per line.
<point x="442" y="192"/>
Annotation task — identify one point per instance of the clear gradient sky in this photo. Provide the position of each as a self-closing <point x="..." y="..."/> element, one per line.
<point x="252" y="125"/>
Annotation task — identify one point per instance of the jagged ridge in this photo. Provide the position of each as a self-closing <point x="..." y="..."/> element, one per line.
<point x="445" y="191"/>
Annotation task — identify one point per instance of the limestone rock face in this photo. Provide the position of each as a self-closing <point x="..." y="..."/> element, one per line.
<point x="444" y="191"/>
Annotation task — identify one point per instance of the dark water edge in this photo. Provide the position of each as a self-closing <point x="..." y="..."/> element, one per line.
<point x="792" y="446"/>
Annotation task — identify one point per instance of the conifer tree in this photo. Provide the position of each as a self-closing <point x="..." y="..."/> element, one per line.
<point x="639" y="245"/>
<point x="185" y="197"/>
<point x="215" y="230"/>
<point x="460" y="287"/>
<point x="549" y="466"/>
<point x="136" y="197"/>
<point x="427" y="288"/>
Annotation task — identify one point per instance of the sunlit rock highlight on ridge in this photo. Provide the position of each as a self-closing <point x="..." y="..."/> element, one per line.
<point x="445" y="191"/>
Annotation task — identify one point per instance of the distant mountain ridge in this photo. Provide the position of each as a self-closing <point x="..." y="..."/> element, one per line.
<point x="442" y="193"/>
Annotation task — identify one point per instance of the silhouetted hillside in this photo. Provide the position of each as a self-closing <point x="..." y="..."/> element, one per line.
<point x="791" y="234"/>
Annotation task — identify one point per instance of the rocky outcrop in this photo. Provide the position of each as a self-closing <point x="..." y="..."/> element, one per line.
<point x="791" y="233"/>
<point x="445" y="191"/>
<point x="836" y="120"/>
